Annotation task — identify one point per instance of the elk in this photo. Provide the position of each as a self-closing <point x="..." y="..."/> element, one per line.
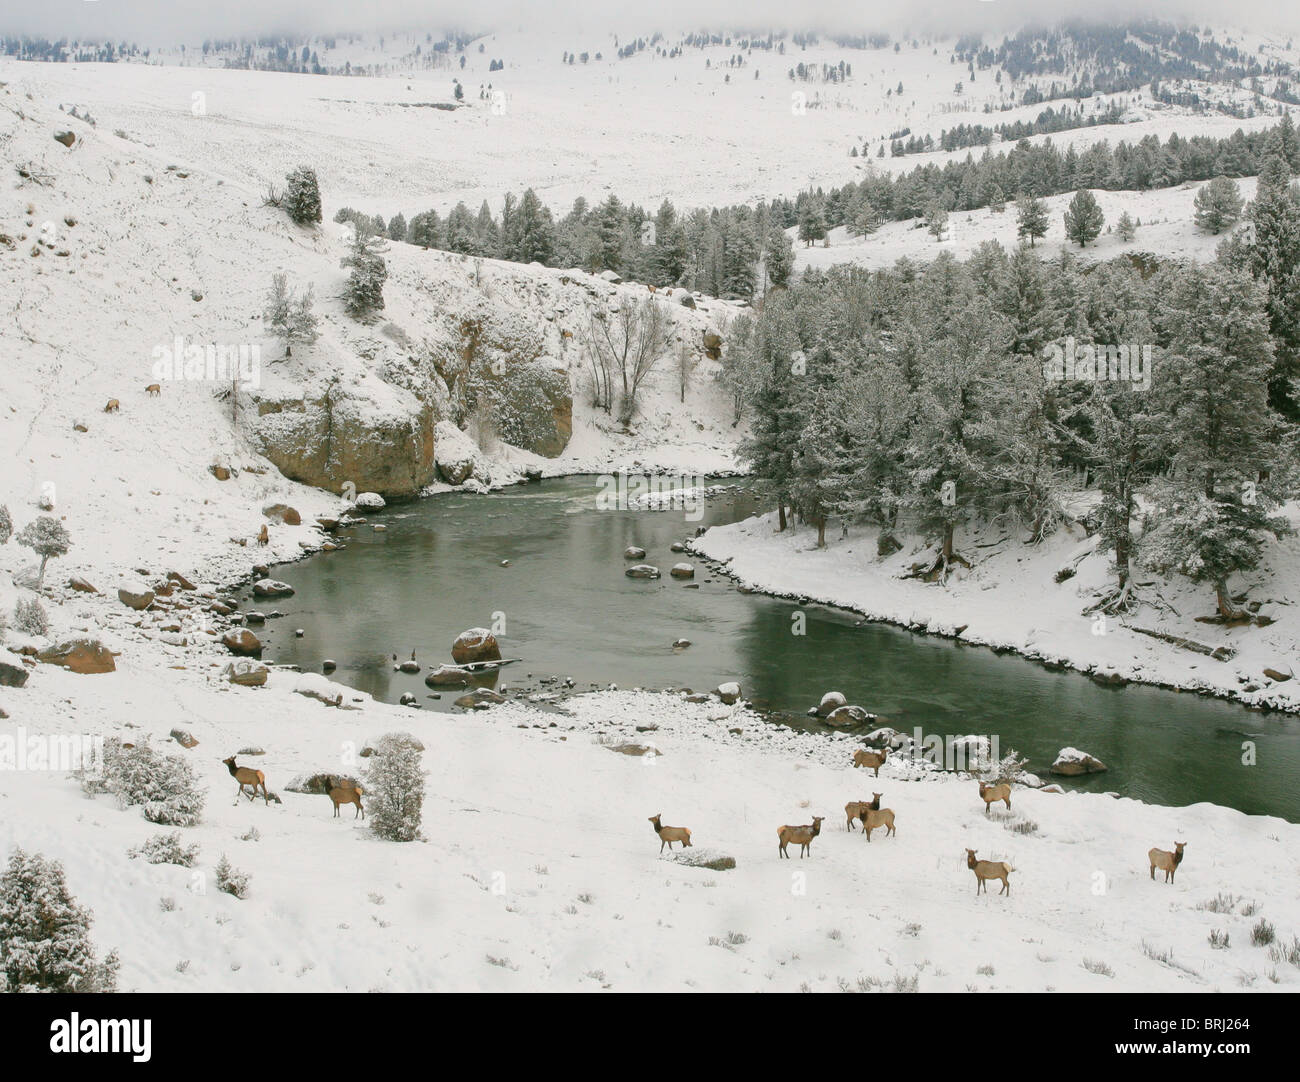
<point x="113" y="405"/>
<point x="854" y="808"/>
<point x="1166" y="861"/>
<point x="345" y="792"/>
<point x="989" y="869"/>
<point x="247" y="776"/>
<point x="154" y="389"/>
<point x="668" y="835"/>
<point x="802" y="835"/>
<point x="873" y="819"/>
<point x="263" y="537"/>
<point x="991" y="794"/>
<point x="870" y="759"/>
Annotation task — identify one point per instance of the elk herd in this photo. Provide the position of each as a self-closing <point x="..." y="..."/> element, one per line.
<point x="339" y="790"/>
<point x="873" y="817"/>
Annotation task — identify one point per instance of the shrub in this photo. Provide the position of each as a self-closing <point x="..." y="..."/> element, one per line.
<point x="45" y="943"/>
<point x="46" y="536"/>
<point x="31" y="618"/>
<point x="302" y="196"/>
<point x="166" y="849"/>
<point x="395" y="788"/>
<point x="164" y="785"/>
<point x="6" y="525"/>
<point x="1263" y="933"/>
<point x="231" y="880"/>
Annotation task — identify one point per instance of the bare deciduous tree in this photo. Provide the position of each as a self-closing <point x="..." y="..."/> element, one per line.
<point x="624" y="345"/>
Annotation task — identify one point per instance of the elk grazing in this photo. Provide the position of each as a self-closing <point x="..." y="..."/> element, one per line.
<point x="1166" y="861"/>
<point x="668" y="835"/>
<point x="991" y="794"/>
<point x="345" y="792"/>
<point x="989" y="869"/>
<point x="247" y="777"/>
<point x="870" y="759"/>
<point x="874" y="818"/>
<point x="154" y="389"/>
<point x="802" y="836"/>
<point x="113" y="406"/>
<point x="854" y="808"/>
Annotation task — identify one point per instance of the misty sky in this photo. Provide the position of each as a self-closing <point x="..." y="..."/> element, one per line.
<point x="162" y="21"/>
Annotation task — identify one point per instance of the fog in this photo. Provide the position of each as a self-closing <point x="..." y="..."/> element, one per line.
<point x="159" y="21"/>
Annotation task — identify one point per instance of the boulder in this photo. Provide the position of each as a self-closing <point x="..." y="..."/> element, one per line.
<point x="729" y="693"/>
<point x="642" y="571"/>
<point x="369" y="501"/>
<point x="480" y="697"/>
<point x="180" y="580"/>
<point x="318" y="784"/>
<point x="632" y="748"/>
<point x="81" y="655"/>
<point x="317" y="687"/>
<point x="447" y="676"/>
<point x="476" y="644"/>
<point x="1071" y="762"/>
<point x="633" y="552"/>
<point x="1276" y="674"/>
<point x="713" y="345"/>
<point x="245" y="673"/>
<point x="282" y="512"/>
<point x="271" y="588"/>
<point x="831" y="702"/>
<point x="845" y="716"/>
<point x="242" y="642"/>
<point x="682" y="571"/>
<point x="184" y="738"/>
<point x="681" y="644"/>
<point x="12" y="676"/>
<point x="135" y="595"/>
<point x="81" y="585"/>
<point x="458" y="457"/>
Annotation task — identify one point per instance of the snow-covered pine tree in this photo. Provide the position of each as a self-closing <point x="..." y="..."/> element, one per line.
<point x="1275" y="260"/>
<point x="302" y="196"/>
<point x="1031" y="218"/>
<point x="1125" y="228"/>
<point x="1218" y="205"/>
<point x="395" y="788"/>
<point x="288" y="314"/>
<point x="45" y="943"/>
<point x="6" y="525"/>
<point x="364" y="294"/>
<point x="1222" y="443"/>
<point x="1083" y="218"/>
<point x="778" y="257"/>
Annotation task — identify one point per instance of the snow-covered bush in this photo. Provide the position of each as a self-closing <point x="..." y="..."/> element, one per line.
<point x="31" y="618"/>
<point x="47" y="537"/>
<point x="302" y="196"/>
<point x="6" y="525"/>
<point x="164" y="785"/>
<point x="395" y="788"/>
<point x="230" y="880"/>
<point x="45" y="943"/>
<point x="166" y="849"/>
<point x="1011" y="767"/>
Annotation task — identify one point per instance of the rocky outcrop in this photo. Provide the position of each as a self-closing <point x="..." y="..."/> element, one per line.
<point x="12" y="676"/>
<point x="1071" y="762"/>
<point x="135" y="595"/>
<point x="374" y="435"/>
<point x="245" y="673"/>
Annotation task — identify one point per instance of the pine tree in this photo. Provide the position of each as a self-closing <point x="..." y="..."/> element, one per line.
<point x="288" y="315"/>
<point x="426" y="229"/>
<point x="812" y="222"/>
<point x="364" y="294"/>
<point x="1274" y="215"/>
<point x="1212" y="386"/>
<point x="47" y="537"/>
<point x="936" y="220"/>
<point x="1031" y="218"/>
<point x="778" y="257"/>
<point x="45" y="943"/>
<point x="1083" y="218"/>
<point x="1125" y="227"/>
<point x="532" y="233"/>
<point x="1218" y="205"/>
<point x="397" y="227"/>
<point x="302" y="196"/>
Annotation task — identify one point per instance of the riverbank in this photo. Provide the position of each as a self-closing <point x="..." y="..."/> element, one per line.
<point x="1030" y="599"/>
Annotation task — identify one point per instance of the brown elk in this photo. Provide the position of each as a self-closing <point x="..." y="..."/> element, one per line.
<point x="113" y="406"/>
<point x="247" y="777"/>
<point x="345" y="792"/>
<point x="154" y="389"/>
<point x="991" y="794"/>
<point x="854" y="808"/>
<point x="872" y="760"/>
<point x="668" y="835"/>
<point x="263" y="537"/>
<point x="1166" y="861"/>
<point x="802" y="835"/>
<point x="989" y="869"/>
